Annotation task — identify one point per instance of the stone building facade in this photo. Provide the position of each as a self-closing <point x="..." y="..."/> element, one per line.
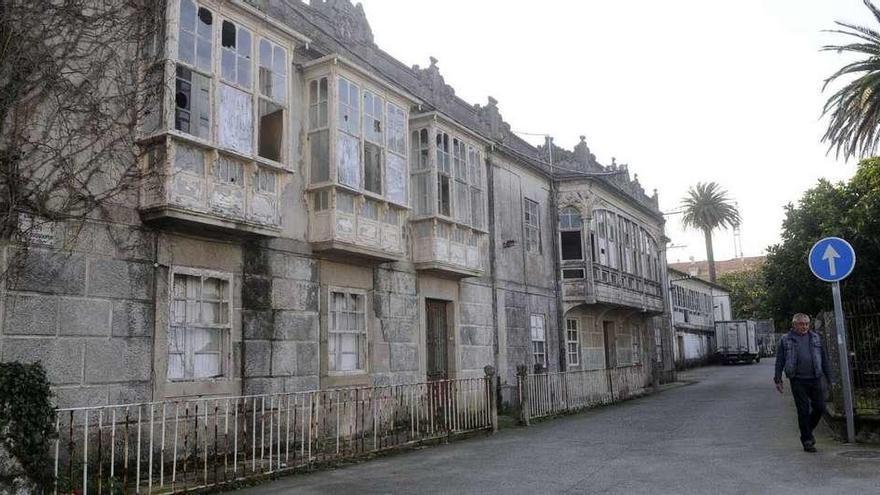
<point x="317" y="214"/>
<point x="696" y="305"/>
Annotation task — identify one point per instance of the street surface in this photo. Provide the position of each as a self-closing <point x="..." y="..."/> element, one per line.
<point x="729" y="433"/>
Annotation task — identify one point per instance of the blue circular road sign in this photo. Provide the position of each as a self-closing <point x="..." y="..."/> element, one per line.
<point x="832" y="259"/>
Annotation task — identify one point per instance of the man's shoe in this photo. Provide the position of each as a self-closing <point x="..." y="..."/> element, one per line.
<point x="808" y="447"/>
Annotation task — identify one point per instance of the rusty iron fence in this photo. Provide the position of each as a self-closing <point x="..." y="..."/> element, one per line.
<point x="549" y="394"/>
<point x="182" y="445"/>
<point x="863" y="338"/>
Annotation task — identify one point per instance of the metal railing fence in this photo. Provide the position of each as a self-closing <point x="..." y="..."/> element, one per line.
<point x="548" y="394"/>
<point x="181" y="445"/>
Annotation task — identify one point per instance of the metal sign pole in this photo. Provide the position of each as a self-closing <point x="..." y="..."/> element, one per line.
<point x="844" y="364"/>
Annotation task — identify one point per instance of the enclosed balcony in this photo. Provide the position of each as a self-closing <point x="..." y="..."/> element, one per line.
<point x="357" y="173"/>
<point x="622" y="268"/>
<point x="449" y="201"/>
<point x="189" y="185"/>
<point x="449" y="249"/>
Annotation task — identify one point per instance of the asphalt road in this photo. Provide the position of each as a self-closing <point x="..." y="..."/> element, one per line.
<point x="730" y="432"/>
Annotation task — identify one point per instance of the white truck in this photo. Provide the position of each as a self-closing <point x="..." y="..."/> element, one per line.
<point x="736" y="341"/>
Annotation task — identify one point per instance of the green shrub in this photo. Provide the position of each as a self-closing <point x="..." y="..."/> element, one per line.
<point x="27" y="418"/>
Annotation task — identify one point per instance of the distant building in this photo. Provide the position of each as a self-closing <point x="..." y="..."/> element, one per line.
<point x="700" y="269"/>
<point x="696" y="305"/>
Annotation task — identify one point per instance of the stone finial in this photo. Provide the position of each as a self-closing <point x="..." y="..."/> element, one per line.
<point x="489" y="370"/>
<point x="349" y="21"/>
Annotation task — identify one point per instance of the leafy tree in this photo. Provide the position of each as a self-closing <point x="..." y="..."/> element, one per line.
<point x="706" y="207"/>
<point x="854" y="109"/>
<point x="748" y="293"/>
<point x="848" y="210"/>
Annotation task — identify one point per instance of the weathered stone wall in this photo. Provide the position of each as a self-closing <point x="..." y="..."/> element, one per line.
<point x="476" y="330"/>
<point x="395" y="344"/>
<point x="280" y="330"/>
<point x="83" y="306"/>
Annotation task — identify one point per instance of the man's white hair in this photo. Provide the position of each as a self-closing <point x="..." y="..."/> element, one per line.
<point x="800" y="317"/>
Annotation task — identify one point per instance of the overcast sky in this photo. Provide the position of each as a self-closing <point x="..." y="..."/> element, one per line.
<point x="681" y="90"/>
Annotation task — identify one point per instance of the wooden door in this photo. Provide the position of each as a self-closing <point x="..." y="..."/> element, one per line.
<point x="436" y="339"/>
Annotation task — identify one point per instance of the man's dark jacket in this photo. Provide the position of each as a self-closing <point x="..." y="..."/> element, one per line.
<point x="787" y="355"/>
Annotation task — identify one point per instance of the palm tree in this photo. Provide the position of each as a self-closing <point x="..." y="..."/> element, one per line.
<point x="707" y="207"/>
<point x="854" y="109"/>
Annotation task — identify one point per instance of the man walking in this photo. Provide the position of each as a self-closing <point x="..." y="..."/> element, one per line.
<point x="801" y="355"/>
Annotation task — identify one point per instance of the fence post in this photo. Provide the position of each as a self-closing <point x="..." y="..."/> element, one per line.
<point x="523" y="386"/>
<point x="493" y="399"/>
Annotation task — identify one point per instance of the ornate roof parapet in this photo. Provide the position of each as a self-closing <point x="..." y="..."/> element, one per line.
<point x="490" y="116"/>
<point x="348" y="20"/>
<point x="432" y="81"/>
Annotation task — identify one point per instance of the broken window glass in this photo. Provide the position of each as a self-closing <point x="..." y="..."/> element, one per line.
<point x="192" y="100"/>
<point x="235" y="57"/>
<point x="372" y="167"/>
<point x="373" y="117"/>
<point x="348" y="155"/>
<point x="443" y="195"/>
<point x="319" y="145"/>
<point x="271" y="131"/>
<point x="349" y="107"/>
<point x="199" y="327"/>
<point x="396" y="129"/>
<point x="318" y="104"/>
<point x="194" y="40"/>
<point x="236" y="119"/>
<point x="396" y="179"/>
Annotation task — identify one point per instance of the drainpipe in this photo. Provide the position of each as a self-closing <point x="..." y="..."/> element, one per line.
<point x="490" y="218"/>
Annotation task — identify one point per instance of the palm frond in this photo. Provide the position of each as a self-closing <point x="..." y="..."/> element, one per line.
<point x="707" y="207"/>
<point x="854" y="110"/>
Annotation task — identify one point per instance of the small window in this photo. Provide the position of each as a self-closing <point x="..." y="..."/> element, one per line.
<point x="572" y="342"/>
<point x="189" y="159"/>
<point x="344" y="202"/>
<point x="370" y="210"/>
<point x="347" y="332"/>
<point x="321" y="200"/>
<point x="532" y="226"/>
<point x="573" y="273"/>
<point x="228" y="171"/>
<point x="200" y="325"/>
<point x="265" y="181"/>
<point x="539" y="339"/>
<point x="636" y="344"/>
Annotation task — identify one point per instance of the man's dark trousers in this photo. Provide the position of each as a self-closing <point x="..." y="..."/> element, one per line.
<point x="810" y="403"/>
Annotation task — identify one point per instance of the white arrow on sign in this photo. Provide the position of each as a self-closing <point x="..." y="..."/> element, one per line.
<point x="830" y="255"/>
